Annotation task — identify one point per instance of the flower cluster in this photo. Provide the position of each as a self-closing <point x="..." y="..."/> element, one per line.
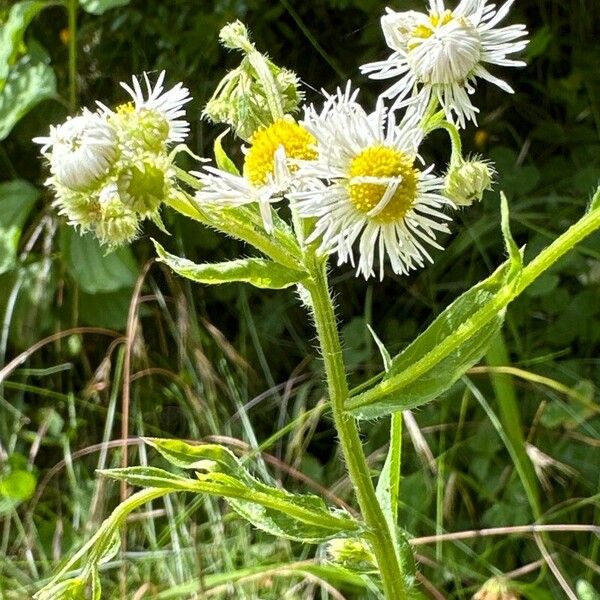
<point x="354" y="179"/>
<point x="111" y="169"/>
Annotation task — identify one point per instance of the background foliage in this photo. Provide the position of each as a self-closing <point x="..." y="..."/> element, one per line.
<point x="239" y="363"/>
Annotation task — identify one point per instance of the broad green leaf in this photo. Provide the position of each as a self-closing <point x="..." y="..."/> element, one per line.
<point x="12" y="32"/>
<point x="445" y="373"/>
<point x="97" y="7"/>
<point x="302" y="517"/>
<point x="259" y="272"/>
<point x="29" y="82"/>
<point x="437" y="375"/>
<point x="93" y="269"/>
<point x="223" y="161"/>
<point x="17" y="198"/>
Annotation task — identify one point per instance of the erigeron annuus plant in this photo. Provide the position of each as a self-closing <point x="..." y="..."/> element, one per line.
<point x="357" y="190"/>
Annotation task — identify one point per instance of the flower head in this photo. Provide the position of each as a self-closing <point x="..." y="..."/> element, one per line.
<point x="165" y="107"/>
<point x="80" y="150"/>
<point x="367" y="184"/>
<point x="442" y="53"/>
<point x="267" y="171"/>
<point x="468" y="180"/>
<point x="497" y="588"/>
<point x="112" y="169"/>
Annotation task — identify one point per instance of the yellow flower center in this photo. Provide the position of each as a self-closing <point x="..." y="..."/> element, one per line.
<point x="125" y="108"/>
<point x="383" y="161"/>
<point x="260" y="159"/>
<point x="426" y="31"/>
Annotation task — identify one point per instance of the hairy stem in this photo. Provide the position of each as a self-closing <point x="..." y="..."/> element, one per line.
<point x="351" y="444"/>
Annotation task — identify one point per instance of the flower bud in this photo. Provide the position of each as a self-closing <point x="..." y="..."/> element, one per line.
<point x="467" y="180"/>
<point x="351" y="552"/>
<point x="235" y="37"/>
<point x="497" y="588"/>
<point x="255" y="94"/>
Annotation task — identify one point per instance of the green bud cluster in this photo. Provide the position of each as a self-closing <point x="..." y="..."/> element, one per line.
<point x="138" y="179"/>
<point x="255" y="94"/>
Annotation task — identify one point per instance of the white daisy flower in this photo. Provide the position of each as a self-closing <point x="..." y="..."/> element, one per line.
<point x="267" y="173"/>
<point x="169" y="104"/>
<point x="366" y="185"/>
<point x="80" y="150"/>
<point x="441" y="54"/>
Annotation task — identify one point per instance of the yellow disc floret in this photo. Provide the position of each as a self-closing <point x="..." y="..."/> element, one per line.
<point x="424" y="31"/>
<point x="385" y="162"/>
<point x="297" y="142"/>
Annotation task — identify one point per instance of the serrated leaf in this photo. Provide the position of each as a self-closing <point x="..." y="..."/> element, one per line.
<point x="98" y="7"/>
<point x="259" y="272"/>
<point x="29" y="82"/>
<point x="93" y="269"/>
<point x="17" y="198"/>
<point x="445" y="373"/>
<point x="302" y="517"/>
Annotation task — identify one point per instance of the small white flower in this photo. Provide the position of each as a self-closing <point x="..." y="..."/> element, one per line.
<point x="228" y="190"/>
<point x="366" y="185"/>
<point x="268" y="169"/>
<point x="441" y="54"/>
<point x="169" y="104"/>
<point x="80" y="150"/>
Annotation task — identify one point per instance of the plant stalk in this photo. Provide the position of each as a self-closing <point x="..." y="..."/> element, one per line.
<point x="72" y="7"/>
<point x="351" y="444"/>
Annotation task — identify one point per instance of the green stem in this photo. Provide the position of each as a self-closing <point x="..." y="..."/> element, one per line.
<point x="541" y="263"/>
<point x="72" y="6"/>
<point x="351" y="444"/>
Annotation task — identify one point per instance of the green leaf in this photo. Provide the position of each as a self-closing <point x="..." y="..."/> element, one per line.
<point x="12" y="32"/>
<point x="29" y="82"/>
<point x="16" y="487"/>
<point x="223" y="161"/>
<point x="17" y="198"/>
<point x="97" y="7"/>
<point x="302" y="517"/>
<point x="71" y="589"/>
<point x="259" y="272"/>
<point x="93" y="269"/>
<point x="441" y="375"/>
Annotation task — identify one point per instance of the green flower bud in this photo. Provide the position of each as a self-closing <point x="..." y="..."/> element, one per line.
<point x="118" y="223"/>
<point x="351" y="552"/>
<point x="255" y="94"/>
<point x="145" y="185"/>
<point x="467" y="180"/>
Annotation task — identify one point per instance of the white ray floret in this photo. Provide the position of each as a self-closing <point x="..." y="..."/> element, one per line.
<point x="80" y="150"/>
<point x="366" y="186"/>
<point x="168" y="103"/>
<point x="226" y="189"/>
<point x="441" y="54"/>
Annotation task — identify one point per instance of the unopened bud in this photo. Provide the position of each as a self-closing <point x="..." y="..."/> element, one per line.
<point x="467" y="180"/>
<point x="255" y="94"/>
<point x="351" y="552"/>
